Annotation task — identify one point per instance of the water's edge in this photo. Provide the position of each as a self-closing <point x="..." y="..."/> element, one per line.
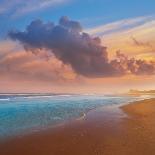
<point x="80" y="117"/>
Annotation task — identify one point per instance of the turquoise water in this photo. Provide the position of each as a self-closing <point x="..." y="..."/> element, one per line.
<point x="24" y="113"/>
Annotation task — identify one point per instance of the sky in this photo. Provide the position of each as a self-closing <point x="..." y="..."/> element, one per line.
<point x="75" y="46"/>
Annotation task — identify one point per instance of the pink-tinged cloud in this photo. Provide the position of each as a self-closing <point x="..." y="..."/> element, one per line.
<point x="136" y="42"/>
<point x="28" y="66"/>
<point x="83" y="53"/>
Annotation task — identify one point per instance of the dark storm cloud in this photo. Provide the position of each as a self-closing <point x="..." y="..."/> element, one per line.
<point x="72" y="46"/>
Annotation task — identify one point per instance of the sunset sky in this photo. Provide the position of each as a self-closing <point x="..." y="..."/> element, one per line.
<point x="75" y="46"/>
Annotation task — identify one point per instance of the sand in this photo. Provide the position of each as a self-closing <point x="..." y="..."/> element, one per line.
<point x="101" y="132"/>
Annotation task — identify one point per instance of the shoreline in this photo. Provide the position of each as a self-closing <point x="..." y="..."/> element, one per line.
<point x="51" y="128"/>
<point x="101" y="132"/>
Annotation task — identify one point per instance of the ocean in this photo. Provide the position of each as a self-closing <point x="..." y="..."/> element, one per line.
<point x="23" y="113"/>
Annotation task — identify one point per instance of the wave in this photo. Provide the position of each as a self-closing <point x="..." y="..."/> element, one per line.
<point x="41" y="96"/>
<point x="4" y="99"/>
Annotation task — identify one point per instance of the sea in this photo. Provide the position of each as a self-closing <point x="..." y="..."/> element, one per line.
<point x="23" y="113"/>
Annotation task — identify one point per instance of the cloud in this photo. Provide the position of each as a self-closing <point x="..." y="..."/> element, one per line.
<point x="118" y="36"/>
<point x="132" y="65"/>
<point x="8" y="46"/>
<point x="27" y="66"/>
<point x="20" y="7"/>
<point x="140" y="43"/>
<point x="85" y="54"/>
<point x="120" y="26"/>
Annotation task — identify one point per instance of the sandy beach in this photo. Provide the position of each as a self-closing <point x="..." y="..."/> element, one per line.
<point x="129" y="130"/>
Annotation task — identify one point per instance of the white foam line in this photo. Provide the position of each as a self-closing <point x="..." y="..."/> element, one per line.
<point x="5" y="99"/>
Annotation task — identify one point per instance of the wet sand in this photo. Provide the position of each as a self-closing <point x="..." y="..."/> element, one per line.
<point x="101" y="132"/>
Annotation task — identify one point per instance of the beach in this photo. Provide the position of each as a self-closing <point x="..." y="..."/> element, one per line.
<point x="129" y="129"/>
